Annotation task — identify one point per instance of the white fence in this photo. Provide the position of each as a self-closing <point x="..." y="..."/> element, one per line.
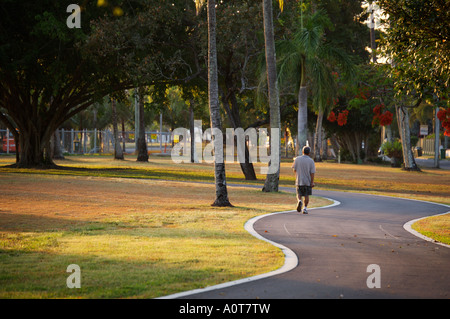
<point x="95" y="141"/>
<point x="427" y="146"/>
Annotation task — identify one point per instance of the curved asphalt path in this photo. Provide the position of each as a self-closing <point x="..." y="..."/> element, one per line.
<point x="335" y="246"/>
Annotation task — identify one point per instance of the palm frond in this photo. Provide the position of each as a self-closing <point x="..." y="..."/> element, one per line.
<point x="289" y="63"/>
<point x="319" y="19"/>
<point x="322" y="83"/>
<point x="308" y="52"/>
<point x="338" y="57"/>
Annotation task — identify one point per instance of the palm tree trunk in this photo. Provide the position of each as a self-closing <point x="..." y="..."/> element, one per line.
<point x="436" y="138"/>
<point x="192" y="129"/>
<point x="318" y="137"/>
<point x="123" y="136"/>
<point x="272" y="178"/>
<point x="302" y="130"/>
<point x="213" y="94"/>
<point x="403" y="128"/>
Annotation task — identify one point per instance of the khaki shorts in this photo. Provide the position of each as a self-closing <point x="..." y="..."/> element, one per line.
<point x="304" y="190"/>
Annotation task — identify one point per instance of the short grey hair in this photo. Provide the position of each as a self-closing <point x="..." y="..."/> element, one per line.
<point x="306" y="150"/>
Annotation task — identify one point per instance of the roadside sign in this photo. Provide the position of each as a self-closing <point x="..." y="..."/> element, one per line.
<point x="424" y="130"/>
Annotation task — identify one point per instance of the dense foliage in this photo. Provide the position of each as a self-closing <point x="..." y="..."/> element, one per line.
<point x="417" y="41"/>
<point x="49" y="73"/>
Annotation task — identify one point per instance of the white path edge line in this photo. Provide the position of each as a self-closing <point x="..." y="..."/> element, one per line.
<point x="408" y="227"/>
<point x="290" y="258"/>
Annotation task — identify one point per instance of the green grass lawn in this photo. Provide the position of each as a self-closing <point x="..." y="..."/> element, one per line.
<point x="132" y="237"/>
<point x="436" y="227"/>
<point x="139" y="230"/>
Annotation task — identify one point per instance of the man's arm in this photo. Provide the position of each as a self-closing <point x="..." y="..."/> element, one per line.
<point x="312" y="179"/>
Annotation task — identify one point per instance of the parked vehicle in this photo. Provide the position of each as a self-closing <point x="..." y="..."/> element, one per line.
<point x="12" y="143"/>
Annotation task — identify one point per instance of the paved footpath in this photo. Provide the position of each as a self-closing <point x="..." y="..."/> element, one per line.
<point x="335" y="246"/>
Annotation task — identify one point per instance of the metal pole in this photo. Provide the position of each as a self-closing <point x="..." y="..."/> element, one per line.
<point x="85" y="140"/>
<point x="436" y="139"/>
<point x="71" y="142"/>
<point x="136" y="119"/>
<point x="372" y="34"/>
<point x="160" y="132"/>
<point x="95" y="141"/>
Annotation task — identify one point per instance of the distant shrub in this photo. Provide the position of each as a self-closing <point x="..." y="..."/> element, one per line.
<point x="394" y="151"/>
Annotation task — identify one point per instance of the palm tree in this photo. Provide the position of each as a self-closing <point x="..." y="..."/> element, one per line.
<point x="272" y="178"/>
<point x="214" y="109"/>
<point x="310" y="60"/>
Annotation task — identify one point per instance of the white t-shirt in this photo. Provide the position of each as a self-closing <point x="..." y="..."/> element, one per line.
<point x="304" y="167"/>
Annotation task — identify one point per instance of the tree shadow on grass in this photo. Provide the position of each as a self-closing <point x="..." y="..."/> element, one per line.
<point x="163" y="173"/>
<point x="120" y="172"/>
<point x="38" y="274"/>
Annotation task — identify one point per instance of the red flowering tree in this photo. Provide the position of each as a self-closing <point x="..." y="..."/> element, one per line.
<point x="331" y="117"/>
<point x="350" y="129"/>
<point x="381" y="116"/>
<point x="444" y="116"/>
<point x="350" y="121"/>
<point x="341" y="118"/>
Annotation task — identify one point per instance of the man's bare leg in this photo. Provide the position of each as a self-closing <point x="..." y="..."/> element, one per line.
<point x="306" y="204"/>
<point x="299" y="203"/>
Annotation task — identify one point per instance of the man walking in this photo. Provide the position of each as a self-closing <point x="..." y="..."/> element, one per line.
<point x="304" y="169"/>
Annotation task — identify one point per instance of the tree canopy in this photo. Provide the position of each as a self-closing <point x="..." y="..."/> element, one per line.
<point x="417" y="41"/>
<point x="49" y="72"/>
